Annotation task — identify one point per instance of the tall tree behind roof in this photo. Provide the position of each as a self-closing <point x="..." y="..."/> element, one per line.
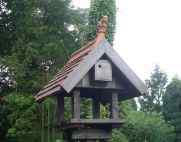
<point x="172" y="106"/>
<point x="35" y="40"/>
<point x="98" y="9"/>
<point x="156" y="90"/>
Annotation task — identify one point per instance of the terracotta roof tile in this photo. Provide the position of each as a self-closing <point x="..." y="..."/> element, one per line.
<point x="55" y="84"/>
<point x="76" y="58"/>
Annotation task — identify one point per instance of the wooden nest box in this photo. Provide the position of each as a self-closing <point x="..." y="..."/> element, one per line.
<point x="97" y="72"/>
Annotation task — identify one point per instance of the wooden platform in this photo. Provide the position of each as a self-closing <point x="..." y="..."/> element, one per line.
<point x="96" y="121"/>
<point x="107" y="124"/>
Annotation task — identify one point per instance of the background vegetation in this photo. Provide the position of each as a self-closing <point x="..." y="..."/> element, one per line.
<point x="36" y="39"/>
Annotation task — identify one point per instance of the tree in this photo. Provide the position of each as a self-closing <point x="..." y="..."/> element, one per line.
<point x="23" y="118"/>
<point x="5" y="29"/>
<point x="34" y="35"/>
<point x="98" y="9"/>
<point x="172" y="106"/>
<point x="156" y="90"/>
<point x="143" y="127"/>
<point x="4" y="123"/>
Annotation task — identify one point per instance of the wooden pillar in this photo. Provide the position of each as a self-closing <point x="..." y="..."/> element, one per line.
<point x="96" y="108"/>
<point x="76" y="104"/>
<point x="115" y="106"/>
<point x="110" y="110"/>
<point x="60" y="109"/>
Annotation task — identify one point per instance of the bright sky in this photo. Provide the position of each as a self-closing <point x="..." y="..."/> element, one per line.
<point x="148" y="32"/>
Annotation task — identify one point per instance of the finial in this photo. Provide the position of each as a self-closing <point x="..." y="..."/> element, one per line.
<point x="102" y="28"/>
<point x="102" y="25"/>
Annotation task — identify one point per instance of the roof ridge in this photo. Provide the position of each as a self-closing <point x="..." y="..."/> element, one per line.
<point x="83" y="48"/>
<point x="100" y="35"/>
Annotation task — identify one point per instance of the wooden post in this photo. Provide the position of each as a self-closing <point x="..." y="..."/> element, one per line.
<point x="76" y="104"/>
<point x="110" y="109"/>
<point x="115" y="106"/>
<point x="60" y="109"/>
<point x="96" y="108"/>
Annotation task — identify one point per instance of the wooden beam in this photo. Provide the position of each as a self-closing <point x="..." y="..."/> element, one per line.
<point x="96" y="108"/>
<point x="76" y="104"/>
<point x="96" y="121"/>
<point x="60" y="109"/>
<point x="115" y="106"/>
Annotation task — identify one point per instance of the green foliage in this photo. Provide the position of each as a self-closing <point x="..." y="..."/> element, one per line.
<point x="156" y="90"/>
<point x="148" y="128"/>
<point x="142" y="127"/>
<point x="7" y="81"/>
<point x="42" y="37"/>
<point x="145" y="128"/>
<point x="4" y="124"/>
<point x="86" y="108"/>
<point x="34" y="35"/>
<point x="40" y="34"/>
<point x="23" y="118"/>
<point x="98" y="9"/>
<point x="172" y="105"/>
<point x="118" y="136"/>
<point x="48" y="121"/>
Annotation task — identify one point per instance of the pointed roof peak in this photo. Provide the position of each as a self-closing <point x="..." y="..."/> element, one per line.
<point x="81" y="63"/>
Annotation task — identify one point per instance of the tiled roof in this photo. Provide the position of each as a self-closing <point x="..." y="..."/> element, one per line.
<point x="83" y="60"/>
<point x="55" y="84"/>
<point x="76" y="58"/>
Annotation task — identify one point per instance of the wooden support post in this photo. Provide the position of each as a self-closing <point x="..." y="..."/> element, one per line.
<point x="76" y="104"/>
<point x="96" y="108"/>
<point x="60" y="109"/>
<point x="110" y="110"/>
<point x="115" y="106"/>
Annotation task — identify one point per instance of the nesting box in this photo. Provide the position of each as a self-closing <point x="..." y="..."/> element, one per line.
<point x="103" y="71"/>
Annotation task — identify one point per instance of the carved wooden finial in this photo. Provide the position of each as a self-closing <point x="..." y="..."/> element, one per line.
<point x="102" y="28"/>
<point x="102" y="25"/>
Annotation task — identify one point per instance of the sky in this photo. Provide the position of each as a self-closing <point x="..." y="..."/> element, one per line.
<point x="148" y="32"/>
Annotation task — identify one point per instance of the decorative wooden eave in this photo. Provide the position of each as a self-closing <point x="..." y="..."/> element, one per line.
<point x="83" y="60"/>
